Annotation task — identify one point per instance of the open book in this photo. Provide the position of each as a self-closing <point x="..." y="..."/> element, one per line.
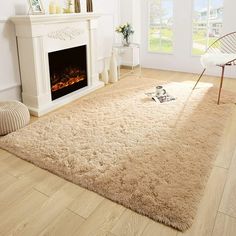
<point x="161" y="99"/>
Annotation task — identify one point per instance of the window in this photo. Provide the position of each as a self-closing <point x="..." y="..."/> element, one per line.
<point x="207" y="24"/>
<point x="160" y="36"/>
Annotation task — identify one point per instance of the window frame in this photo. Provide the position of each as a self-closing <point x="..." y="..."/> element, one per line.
<point x="207" y="29"/>
<point x="148" y="31"/>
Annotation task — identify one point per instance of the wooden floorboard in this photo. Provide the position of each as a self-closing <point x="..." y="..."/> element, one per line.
<point x="85" y="203"/>
<point x="52" y="208"/>
<point x="66" y="223"/>
<point x="36" y="202"/>
<point x="130" y="223"/>
<point x="228" y="203"/>
<point x="224" y="225"/>
<point x="12" y="216"/>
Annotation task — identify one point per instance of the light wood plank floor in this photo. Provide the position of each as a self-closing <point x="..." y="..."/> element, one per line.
<point x="36" y="202"/>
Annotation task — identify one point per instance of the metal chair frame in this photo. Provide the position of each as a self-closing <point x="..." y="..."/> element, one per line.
<point x="229" y="41"/>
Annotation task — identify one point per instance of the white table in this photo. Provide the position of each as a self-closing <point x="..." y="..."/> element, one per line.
<point x="133" y="60"/>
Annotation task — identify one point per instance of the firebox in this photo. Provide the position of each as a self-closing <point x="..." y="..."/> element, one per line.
<point x="68" y="70"/>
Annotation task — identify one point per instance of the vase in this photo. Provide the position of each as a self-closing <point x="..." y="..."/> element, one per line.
<point x="113" y="67"/>
<point x="126" y="41"/>
<point x="77" y="6"/>
<point x="105" y="76"/>
<point x="89" y="5"/>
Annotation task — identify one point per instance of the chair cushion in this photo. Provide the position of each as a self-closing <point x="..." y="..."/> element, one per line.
<point x="216" y="59"/>
<point x="13" y="116"/>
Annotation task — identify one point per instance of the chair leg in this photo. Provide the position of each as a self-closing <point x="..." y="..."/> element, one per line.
<point x="221" y="84"/>
<point x="199" y="79"/>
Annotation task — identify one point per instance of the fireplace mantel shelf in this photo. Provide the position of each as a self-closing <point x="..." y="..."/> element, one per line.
<point x="54" y="18"/>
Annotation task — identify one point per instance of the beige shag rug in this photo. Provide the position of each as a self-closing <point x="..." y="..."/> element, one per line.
<point x="152" y="158"/>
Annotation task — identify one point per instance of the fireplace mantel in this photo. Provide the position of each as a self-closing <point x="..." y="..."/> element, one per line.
<point x="37" y="36"/>
<point x="54" y="18"/>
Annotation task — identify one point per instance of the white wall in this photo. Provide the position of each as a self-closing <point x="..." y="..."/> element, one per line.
<point x="110" y="11"/>
<point x="131" y="13"/>
<point x="9" y="69"/>
<point x="181" y="59"/>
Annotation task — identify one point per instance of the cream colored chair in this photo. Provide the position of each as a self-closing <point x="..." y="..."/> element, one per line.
<point x="221" y="53"/>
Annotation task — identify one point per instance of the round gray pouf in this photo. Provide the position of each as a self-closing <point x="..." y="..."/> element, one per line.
<point x="13" y="116"/>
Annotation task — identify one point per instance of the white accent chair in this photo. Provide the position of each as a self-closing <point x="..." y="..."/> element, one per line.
<point x="221" y="53"/>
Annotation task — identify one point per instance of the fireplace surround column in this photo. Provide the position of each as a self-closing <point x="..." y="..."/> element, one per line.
<point x="93" y="51"/>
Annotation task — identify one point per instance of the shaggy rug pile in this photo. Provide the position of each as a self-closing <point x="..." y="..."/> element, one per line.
<point x="152" y="158"/>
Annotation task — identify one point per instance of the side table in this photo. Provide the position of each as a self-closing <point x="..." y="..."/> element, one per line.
<point x="133" y="53"/>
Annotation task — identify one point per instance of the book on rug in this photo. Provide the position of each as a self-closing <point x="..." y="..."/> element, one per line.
<point x="165" y="97"/>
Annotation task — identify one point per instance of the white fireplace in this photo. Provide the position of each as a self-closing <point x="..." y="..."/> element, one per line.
<point x="40" y="39"/>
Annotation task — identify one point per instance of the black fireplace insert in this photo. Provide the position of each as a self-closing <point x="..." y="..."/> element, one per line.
<point x="68" y="71"/>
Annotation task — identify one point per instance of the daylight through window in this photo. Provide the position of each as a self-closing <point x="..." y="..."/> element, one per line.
<point x="207" y="24"/>
<point x="160" y="26"/>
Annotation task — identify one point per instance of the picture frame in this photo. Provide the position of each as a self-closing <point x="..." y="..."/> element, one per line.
<point x="36" y="7"/>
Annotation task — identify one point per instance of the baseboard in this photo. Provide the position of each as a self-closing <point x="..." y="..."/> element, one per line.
<point x="215" y="71"/>
<point x="3" y="20"/>
<point x="11" y="93"/>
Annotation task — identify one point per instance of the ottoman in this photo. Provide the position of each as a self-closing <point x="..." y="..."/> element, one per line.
<point x="13" y="116"/>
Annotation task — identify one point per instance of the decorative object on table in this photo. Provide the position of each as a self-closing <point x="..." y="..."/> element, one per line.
<point x="160" y="95"/>
<point x="114" y="67"/>
<point x="36" y="7"/>
<point x="221" y="53"/>
<point x="69" y="7"/>
<point x="126" y="30"/>
<point x="77" y="6"/>
<point x="89" y="5"/>
<point x="13" y="116"/>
